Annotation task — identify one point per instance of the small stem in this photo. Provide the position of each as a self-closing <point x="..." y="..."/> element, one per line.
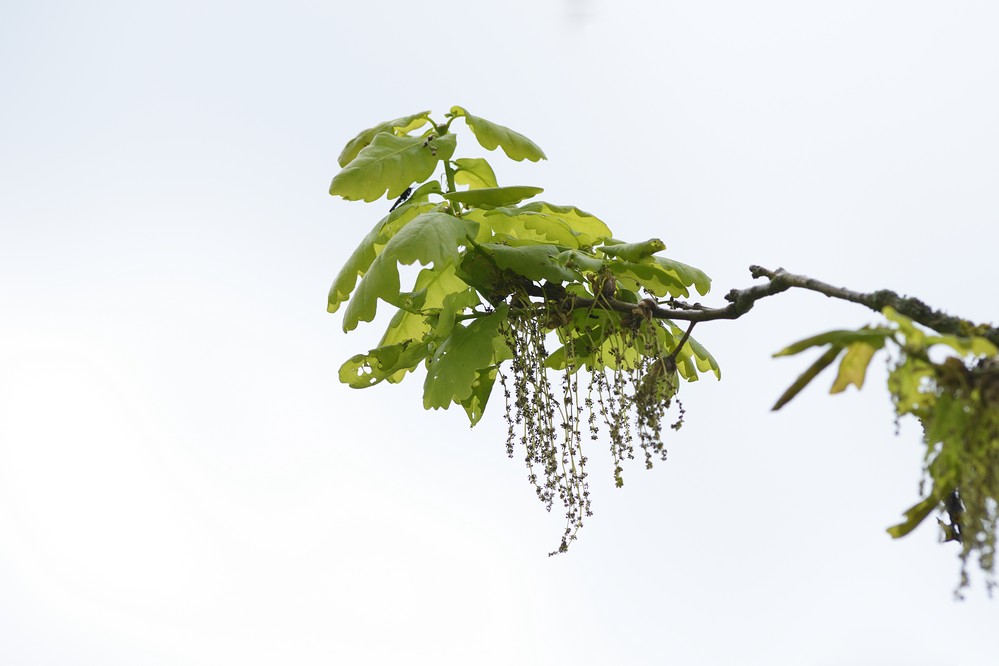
<point x="448" y="169"/>
<point x="449" y="174"/>
<point x="683" y="341"/>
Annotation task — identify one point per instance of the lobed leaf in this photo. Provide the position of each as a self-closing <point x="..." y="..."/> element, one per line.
<point x="650" y="275"/>
<point x="705" y="361"/>
<point x="399" y="126"/>
<point x="364" y="370"/>
<point x="454" y="304"/>
<point x="359" y="262"/>
<point x="432" y="237"/>
<point x="490" y="135"/>
<point x="913" y="336"/>
<point x="482" y="387"/>
<point x="494" y="196"/>
<point x="474" y="172"/>
<point x="453" y="369"/>
<point x="973" y="346"/>
<point x="391" y="164"/>
<point x="580" y="261"/>
<point x="686" y="275"/>
<point x="533" y="262"/>
<point x="564" y="225"/>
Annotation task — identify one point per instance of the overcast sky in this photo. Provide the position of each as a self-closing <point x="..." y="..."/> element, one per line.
<point x="184" y="481"/>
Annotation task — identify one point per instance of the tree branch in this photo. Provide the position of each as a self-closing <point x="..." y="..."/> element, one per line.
<point x="742" y="301"/>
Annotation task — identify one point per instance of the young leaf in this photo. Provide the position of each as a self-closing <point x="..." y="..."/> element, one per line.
<point x="564" y="225"/>
<point x="973" y="346"/>
<point x="494" y="196"/>
<point x="453" y="369"/>
<point x="633" y="251"/>
<point x="482" y="387"/>
<point x="359" y="262"/>
<point x="808" y="375"/>
<point x="430" y="238"/>
<point x="650" y="275"/>
<point x="853" y="367"/>
<point x="580" y="261"/>
<point x="686" y="275"/>
<point x="913" y="336"/>
<point x="872" y="336"/>
<point x="588" y="228"/>
<point x="399" y="126"/>
<point x="534" y="262"/>
<point x="391" y="163"/>
<point x="516" y="223"/>
<point x="490" y="135"/>
<point x="915" y="515"/>
<point x="474" y="172"/>
<point x="364" y="370"/>
<point x="705" y="361"/>
<point x="432" y="290"/>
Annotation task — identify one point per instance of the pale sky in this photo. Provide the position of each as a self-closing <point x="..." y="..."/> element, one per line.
<point x="183" y="481"/>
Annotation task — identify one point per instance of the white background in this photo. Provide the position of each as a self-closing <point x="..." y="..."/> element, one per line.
<point x="184" y="481"/>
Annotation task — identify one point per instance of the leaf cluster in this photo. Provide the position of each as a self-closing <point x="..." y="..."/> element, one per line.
<point x="956" y="400"/>
<point x="502" y="276"/>
<point x="578" y="328"/>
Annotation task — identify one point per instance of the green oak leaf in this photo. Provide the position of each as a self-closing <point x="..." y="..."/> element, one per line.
<point x="442" y="296"/>
<point x="580" y="261"/>
<point x="687" y="362"/>
<point x="807" y="376"/>
<point x="913" y="336"/>
<point x="633" y="251"/>
<point x="431" y="287"/>
<point x="686" y="275"/>
<point x="453" y="305"/>
<point x="703" y="358"/>
<point x="872" y="336"/>
<point x="853" y="367"/>
<point x="364" y="370"/>
<point x="391" y="163"/>
<point x="906" y="384"/>
<point x="399" y="127"/>
<point x="474" y="172"/>
<point x="494" y="196"/>
<point x="588" y="228"/>
<point x="564" y="225"/>
<point x="648" y="274"/>
<point x="453" y="369"/>
<point x="917" y="514"/>
<point x="359" y="262"/>
<point x="490" y="135"/>
<point x="482" y="388"/>
<point x="404" y="327"/>
<point x="534" y="262"/>
<point x="432" y="237"/>
<point x="514" y="223"/>
<point x="973" y="346"/>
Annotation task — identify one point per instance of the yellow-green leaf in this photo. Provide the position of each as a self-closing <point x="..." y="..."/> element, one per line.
<point x="633" y="251"/>
<point x="490" y="135"/>
<point x="494" y="196"/>
<point x="474" y="172"/>
<point x="853" y="367"/>
<point x="391" y="163"/>
<point x="399" y="127"/>
<point x="807" y="376"/>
